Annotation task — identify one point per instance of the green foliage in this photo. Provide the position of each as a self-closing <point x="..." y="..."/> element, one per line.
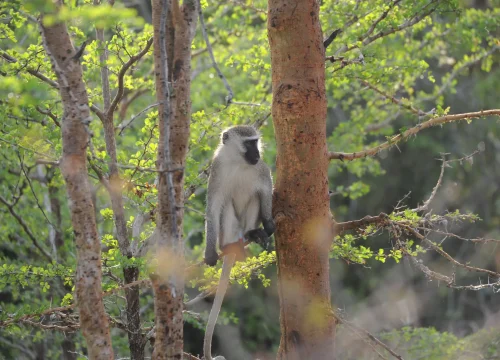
<point x="419" y="65"/>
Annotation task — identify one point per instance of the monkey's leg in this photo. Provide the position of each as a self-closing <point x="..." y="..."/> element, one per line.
<point x="227" y="265"/>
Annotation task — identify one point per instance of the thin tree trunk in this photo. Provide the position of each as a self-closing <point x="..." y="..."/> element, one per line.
<point x="301" y="201"/>
<point x="174" y="28"/>
<point x="75" y="138"/>
<point x="115" y="189"/>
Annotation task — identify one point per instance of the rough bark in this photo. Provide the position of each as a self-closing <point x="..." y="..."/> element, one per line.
<point x="301" y="203"/>
<point x="75" y="138"/>
<point x="115" y="189"/>
<point x="172" y="57"/>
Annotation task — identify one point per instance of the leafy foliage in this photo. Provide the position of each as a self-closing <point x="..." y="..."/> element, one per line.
<point x="415" y="52"/>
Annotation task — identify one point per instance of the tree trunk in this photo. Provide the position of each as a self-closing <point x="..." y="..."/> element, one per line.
<point x="301" y="201"/>
<point x="174" y="29"/>
<point x="115" y="190"/>
<point x="75" y="138"/>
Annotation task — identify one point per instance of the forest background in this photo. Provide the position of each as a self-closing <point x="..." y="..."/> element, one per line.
<point x="390" y="66"/>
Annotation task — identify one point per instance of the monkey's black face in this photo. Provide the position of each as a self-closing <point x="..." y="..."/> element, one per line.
<point x="252" y="155"/>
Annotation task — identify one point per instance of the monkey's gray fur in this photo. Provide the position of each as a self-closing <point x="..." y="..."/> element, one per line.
<point x="239" y="199"/>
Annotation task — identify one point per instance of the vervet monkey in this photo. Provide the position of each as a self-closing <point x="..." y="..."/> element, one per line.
<point x="239" y="199"/>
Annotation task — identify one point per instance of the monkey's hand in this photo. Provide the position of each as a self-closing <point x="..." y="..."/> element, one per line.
<point x="259" y="236"/>
<point x="211" y="257"/>
<point x="269" y="227"/>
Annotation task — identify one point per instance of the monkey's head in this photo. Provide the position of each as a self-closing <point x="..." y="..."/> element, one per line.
<point x="243" y="139"/>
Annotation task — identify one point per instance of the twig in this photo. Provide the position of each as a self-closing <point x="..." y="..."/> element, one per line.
<point x="354" y="328"/>
<point x="414" y="130"/>
<point x="394" y="100"/>
<point x="122" y="126"/>
<point x="230" y="95"/>
<point x="21" y="164"/>
<point x="25" y="227"/>
<point x="381" y="125"/>
<point x="457" y="70"/>
<point x="380" y="18"/>
<point x="410" y="22"/>
<point x="49" y="114"/>
<point x="46" y="80"/>
<point x="447" y="256"/>
<point x="122" y="73"/>
<point x="425" y="205"/>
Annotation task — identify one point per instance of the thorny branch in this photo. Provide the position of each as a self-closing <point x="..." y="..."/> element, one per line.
<point x="420" y="229"/>
<point x="410" y="132"/>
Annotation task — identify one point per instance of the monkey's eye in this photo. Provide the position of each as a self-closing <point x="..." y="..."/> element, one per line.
<point x="252" y="142"/>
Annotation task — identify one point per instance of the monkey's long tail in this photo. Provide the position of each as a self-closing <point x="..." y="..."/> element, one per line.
<point x="227" y="265"/>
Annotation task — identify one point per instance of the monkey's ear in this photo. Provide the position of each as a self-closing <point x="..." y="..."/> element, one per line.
<point x="225" y="136"/>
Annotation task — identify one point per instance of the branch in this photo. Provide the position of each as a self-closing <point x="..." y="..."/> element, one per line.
<point x="50" y="114"/>
<point x="121" y="75"/>
<point x="230" y="94"/>
<point x="25" y="227"/>
<point x="122" y="126"/>
<point x="412" y="21"/>
<point x="394" y="100"/>
<point x="46" y="80"/>
<point x="33" y="72"/>
<point x="447" y="256"/>
<point x="413" y="131"/>
<point x="354" y="328"/>
<point x="380" y="18"/>
<point x="456" y="71"/>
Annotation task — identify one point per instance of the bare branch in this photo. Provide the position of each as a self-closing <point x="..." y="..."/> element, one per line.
<point x="50" y="114"/>
<point x="444" y="254"/>
<point x="122" y="126"/>
<point x="394" y="100"/>
<point x="121" y="75"/>
<point x="356" y="329"/>
<point x="230" y="94"/>
<point x="410" y="132"/>
<point x="26" y="228"/>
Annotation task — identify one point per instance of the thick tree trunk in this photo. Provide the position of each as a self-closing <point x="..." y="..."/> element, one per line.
<point x="75" y="137"/>
<point x="172" y="56"/>
<point x="301" y="202"/>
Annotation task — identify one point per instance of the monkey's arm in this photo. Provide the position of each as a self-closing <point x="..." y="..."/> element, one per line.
<point x="212" y="222"/>
<point x="265" y="193"/>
